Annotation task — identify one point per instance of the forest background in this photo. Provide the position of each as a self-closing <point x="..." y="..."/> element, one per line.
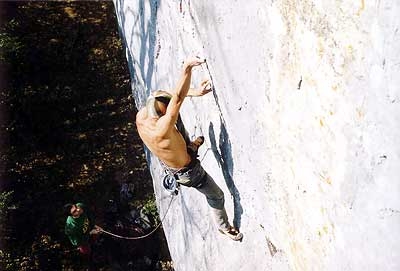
<point x="68" y="135"/>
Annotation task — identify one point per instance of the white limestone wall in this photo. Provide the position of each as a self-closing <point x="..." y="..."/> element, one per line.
<point x="302" y="129"/>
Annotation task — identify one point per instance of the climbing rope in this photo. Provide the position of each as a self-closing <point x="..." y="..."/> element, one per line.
<point x="204" y="155"/>
<point x="143" y="236"/>
<point x="209" y="74"/>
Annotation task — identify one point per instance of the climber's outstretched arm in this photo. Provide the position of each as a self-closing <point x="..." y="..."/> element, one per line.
<point x="181" y="90"/>
<point x="203" y="89"/>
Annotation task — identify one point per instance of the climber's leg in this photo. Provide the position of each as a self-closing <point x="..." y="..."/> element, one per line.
<point x="216" y="201"/>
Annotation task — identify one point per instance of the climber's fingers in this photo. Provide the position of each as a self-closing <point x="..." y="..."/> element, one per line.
<point x="194" y="61"/>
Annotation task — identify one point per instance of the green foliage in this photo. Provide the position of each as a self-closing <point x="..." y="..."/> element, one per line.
<point x="7" y="263"/>
<point x="9" y="44"/>
<point x="150" y="209"/>
<point x="70" y="133"/>
<point x="5" y="204"/>
<point x="44" y="254"/>
<point x="5" y="200"/>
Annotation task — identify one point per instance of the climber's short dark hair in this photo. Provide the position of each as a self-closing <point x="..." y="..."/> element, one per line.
<point x="162" y="96"/>
<point x="67" y="209"/>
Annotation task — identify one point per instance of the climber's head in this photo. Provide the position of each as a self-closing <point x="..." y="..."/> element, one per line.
<point x="157" y="103"/>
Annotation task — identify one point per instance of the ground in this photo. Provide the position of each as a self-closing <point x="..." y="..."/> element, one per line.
<point x="68" y="134"/>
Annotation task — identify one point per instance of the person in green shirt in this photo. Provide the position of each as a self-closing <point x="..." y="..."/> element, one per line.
<point x="79" y="227"/>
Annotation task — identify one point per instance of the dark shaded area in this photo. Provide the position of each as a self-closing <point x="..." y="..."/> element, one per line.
<point x="67" y="135"/>
<point x="223" y="154"/>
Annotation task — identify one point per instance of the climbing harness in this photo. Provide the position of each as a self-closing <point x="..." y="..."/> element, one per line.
<point x="143" y="236"/>
<point x="170" y="180"/>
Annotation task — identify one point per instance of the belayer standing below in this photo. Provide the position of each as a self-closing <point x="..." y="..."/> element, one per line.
<point x="158" y="128"/>
<point x="79" y="227"/>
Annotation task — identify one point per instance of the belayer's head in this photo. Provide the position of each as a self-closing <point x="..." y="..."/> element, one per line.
<point x="73" y="210"/>
<point x="157" y="103"/>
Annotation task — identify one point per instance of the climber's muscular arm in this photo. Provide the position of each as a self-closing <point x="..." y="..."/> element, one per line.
<point x="166" y="123"/>
<point x="182" y="88"/>
<point x="169" y="121"/>
<point x="203" y="89"/>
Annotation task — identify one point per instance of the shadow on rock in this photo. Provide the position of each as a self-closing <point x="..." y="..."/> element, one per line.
<point x="223" y="154"/>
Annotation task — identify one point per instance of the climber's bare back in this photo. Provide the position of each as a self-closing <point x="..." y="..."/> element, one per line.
<point x="169" y="146"/>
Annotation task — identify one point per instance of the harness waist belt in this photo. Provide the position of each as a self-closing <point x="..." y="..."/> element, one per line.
<point x="192" y="175"/>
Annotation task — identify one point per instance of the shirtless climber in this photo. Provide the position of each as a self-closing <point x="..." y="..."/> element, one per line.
<point x="157" y="127"/>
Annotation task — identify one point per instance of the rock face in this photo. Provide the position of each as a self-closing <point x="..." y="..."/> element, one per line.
<point x="302" y="130"/>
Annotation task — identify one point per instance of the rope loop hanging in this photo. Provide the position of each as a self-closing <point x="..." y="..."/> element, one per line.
<point x="143" y="236"/>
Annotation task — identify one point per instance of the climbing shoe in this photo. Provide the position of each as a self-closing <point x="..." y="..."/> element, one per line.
<point x="232" y="233"/>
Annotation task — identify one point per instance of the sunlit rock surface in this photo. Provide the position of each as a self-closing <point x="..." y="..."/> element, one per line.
<point x="302" y="130"/>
